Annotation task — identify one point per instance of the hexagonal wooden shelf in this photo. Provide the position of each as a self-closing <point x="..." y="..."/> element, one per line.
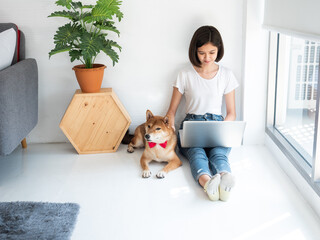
<point x="95" y="122"/>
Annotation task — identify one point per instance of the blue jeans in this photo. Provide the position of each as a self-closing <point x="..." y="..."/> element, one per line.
<point x="209" y="161"/>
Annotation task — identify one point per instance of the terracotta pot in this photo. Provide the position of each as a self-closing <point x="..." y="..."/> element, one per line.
<point x="89" y="79"/>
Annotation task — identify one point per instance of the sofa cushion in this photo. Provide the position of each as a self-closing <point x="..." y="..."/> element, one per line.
<point x="8" y="41"/>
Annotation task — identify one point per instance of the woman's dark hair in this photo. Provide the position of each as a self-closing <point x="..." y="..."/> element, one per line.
<point x="204" y="35"/>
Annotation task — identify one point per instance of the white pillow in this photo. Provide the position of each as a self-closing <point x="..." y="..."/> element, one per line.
<point x="8" y="40"/>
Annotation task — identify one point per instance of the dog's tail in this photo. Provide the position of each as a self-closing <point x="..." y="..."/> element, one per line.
<point x="127" y="138"/>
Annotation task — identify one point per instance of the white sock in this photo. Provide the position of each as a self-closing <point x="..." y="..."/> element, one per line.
<point x="226" y="184"/>
<point x="212" y="187"/>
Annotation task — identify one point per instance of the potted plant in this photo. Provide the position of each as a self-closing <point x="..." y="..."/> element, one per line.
<point x="85" y="36"/>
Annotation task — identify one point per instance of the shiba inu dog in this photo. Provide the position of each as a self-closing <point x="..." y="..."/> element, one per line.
<point x="159" y="140"/>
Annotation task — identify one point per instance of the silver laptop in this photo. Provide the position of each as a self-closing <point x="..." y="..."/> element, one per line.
<point x="212" y="133"/>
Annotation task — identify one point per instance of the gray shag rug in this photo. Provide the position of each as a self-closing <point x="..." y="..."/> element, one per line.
<point x="37" y="220"/>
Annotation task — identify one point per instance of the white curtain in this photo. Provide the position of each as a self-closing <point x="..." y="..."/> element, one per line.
<point x="299" y="18"/>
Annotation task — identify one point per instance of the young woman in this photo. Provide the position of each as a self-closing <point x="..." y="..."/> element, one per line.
<point x="204" y="84"/>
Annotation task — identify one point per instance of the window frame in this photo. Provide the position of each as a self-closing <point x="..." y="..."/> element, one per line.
<point x="310" y="173"/>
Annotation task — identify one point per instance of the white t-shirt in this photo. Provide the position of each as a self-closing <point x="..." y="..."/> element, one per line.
<point x="203" y="95"/>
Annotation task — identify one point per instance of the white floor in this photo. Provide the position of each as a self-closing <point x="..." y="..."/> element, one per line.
<point x="116" y="203"/>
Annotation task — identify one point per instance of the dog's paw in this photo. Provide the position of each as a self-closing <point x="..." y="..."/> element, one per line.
<point x="146" y="174"/>
<point x="161" y="174"/>
<point x="130" y="149"/>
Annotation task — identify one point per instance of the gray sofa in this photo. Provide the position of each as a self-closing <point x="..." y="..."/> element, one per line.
<point x="18" y="98"/>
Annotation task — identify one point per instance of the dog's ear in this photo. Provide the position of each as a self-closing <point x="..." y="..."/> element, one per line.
<point x="166" y="120"/>
<point x="149" y="115"/>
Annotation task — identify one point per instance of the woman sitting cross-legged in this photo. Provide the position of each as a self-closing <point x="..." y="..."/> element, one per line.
<point x="204" y="84"/>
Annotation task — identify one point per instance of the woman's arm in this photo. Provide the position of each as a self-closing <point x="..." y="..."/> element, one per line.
<point x="175" y="100"/>
<point x="231" y="106"/>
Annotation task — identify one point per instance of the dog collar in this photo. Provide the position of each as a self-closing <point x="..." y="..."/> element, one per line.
<point x="153" y="144"/>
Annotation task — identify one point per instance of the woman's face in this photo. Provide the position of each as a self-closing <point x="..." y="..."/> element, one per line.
<point x="207" y="54"/>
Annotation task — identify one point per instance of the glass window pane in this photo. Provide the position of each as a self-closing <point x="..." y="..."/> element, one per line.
<point x="310" y="73"/>
<point x="305" y="70"/>
<point x="296" y="93"/>
<point x="306" y="52"/>
<point x="312" y="53"/>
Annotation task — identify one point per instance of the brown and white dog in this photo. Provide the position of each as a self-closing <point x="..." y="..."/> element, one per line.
<point x="159" y="140"/>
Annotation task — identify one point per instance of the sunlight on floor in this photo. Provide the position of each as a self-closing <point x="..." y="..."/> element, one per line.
<point x="302" y="134"/>
<point x="177" y="192"/>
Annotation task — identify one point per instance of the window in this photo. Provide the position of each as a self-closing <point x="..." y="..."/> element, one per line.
<point x="296" y="93"/>
<point x="292" y="102"/>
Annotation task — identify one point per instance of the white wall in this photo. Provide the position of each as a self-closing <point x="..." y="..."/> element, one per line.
<point x="155" y="37"/>
<point x="255" y="66"/>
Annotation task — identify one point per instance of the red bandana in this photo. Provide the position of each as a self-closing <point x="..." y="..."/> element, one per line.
<point x="153" y="144"/>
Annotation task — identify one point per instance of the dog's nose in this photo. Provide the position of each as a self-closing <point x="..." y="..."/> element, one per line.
<point x="147" y="136"/>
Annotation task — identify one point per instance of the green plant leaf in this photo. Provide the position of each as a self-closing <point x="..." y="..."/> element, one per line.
<point x="77" y="5"/>
<point x="64" y="3"/>
<point x="113" y="44"/>
<point x="108" y="27"/>
<point x="108" y="50"/>
<point x="75" y="55"/>
<point x="90" y="46"/>
<point x="88" y="6"/>
<point x="59" y="49"/>
<point x="84" y="16"/>
<point x="67" y="34"/>
<point x="105" y="9"/>
<point x="112" y="54"/>
<point x="66" y="14"/>
<point x="113" y="6"/>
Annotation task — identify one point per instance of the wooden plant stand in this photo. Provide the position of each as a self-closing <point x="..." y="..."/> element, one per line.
<point x="95" y="122"/>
